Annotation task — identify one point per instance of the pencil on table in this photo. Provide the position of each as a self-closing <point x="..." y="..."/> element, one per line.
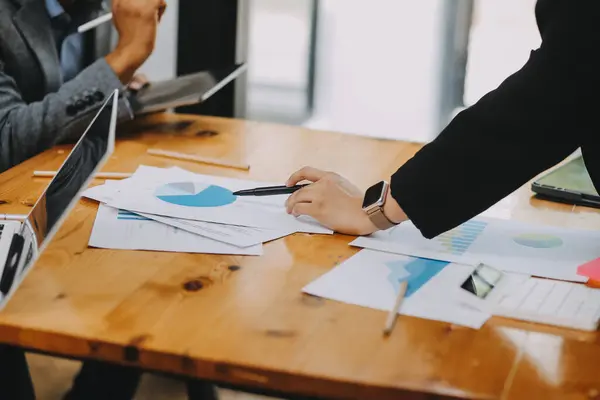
<point x="393" y="315"/>
<point x="100" y="175"/>
<point x="199" y="159"/>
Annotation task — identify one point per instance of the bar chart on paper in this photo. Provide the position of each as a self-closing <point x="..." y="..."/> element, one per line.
<point x="458" y="240"/>
<point x="122" y="230"/>
<point x="128" y="215"/>
<point x="451" y="246"/>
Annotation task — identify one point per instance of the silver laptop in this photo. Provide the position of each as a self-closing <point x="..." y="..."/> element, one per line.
<point x="24" y="237"/>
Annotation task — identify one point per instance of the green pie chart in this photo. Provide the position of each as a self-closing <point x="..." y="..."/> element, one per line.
<point x="538" y="241"/>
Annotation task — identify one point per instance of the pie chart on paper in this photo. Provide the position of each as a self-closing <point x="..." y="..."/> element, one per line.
<point x="194" y="194"/>
<point x="538" y="241"/>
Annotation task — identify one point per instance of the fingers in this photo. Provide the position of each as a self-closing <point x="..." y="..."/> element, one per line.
<point x="138" y="82"/>
<point x="306" y="173"/>
<point x="141" y="78"/>
<point x="141" y="9"/>
<point x="304" y="195"/>
<point x="305" y="209"/>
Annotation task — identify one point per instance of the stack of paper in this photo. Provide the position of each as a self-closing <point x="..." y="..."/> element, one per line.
<point x="176" y="210"/>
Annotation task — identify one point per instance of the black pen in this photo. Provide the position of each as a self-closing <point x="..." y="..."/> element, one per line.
<point x="269" y="190"/>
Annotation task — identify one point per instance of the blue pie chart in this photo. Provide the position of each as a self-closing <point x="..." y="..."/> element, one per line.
<point x="193" y="194"/>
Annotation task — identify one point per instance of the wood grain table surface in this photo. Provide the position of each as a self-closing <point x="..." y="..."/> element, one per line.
<point x="243" y="320"/>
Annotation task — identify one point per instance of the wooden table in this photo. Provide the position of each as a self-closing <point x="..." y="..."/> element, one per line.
<point x="243" y="320"/>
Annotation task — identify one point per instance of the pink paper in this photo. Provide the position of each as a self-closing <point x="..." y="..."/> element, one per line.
<point x="590" y="269"/>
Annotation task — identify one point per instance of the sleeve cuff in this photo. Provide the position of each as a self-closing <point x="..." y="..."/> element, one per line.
<point x="108" y="78"/>
<point x="413" y="199"/>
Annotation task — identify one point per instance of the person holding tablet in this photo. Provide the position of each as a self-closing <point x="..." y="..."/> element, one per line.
<point x="51" y="87"/>
<point x="532" y="121"/>
<point x="51" y="83"/>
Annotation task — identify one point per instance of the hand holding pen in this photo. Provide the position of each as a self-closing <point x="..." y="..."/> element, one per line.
<point x="330" y="199"/>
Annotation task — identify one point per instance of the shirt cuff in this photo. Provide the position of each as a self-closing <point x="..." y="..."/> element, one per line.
<point x="109" y="79"/>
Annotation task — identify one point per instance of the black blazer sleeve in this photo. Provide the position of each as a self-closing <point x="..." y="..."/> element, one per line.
<point x="532" y="121"/>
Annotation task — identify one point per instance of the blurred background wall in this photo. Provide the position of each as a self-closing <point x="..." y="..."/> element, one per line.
<point x="396" y="69"/>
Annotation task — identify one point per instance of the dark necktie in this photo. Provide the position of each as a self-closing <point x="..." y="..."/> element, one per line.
<point x="61" y="25"/>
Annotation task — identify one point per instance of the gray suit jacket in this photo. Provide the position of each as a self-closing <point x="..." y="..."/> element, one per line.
<point x="38" y="110"/>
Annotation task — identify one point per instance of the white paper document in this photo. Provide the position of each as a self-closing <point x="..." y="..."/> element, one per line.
<point x="182" y="194"/>
<point x="117" y="229"/>
<point x="241" y="236"/>
<point x="513" y="246"/>
<point x="552" y="302"/>
<point x="545" y="301"/>
<point x="372" y="279"/>
<point x="104" y="193"/>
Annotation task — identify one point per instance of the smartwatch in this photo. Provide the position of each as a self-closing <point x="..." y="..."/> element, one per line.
<point x="373" y="205"/>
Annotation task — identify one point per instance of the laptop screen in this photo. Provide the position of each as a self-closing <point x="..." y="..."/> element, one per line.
<point x="87" y="157"/>
<point x="77" y="171"/>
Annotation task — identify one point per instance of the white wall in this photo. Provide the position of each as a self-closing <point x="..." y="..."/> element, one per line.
<point x="503" y="34"/>
<point x="377" y="71"/>
<point x="279" y="43"/>
<point x="377" y="61"/>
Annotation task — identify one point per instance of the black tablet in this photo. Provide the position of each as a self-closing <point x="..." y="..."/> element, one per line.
<point x="569" y="183"/>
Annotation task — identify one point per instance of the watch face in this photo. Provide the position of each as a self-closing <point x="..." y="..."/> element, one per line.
<point x="373" y="194"/>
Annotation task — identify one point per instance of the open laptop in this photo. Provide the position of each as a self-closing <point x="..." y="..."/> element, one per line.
<point x="182" y="91"/>
<point x="569" y="183"/>
<point x="24" y="237"/>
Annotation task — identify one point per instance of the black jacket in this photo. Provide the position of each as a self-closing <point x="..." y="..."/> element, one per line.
<point x="532" y="121"/>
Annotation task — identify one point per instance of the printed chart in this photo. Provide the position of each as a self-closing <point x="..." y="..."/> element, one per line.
<point x="128" y="215"/>
<point x="179" y="195"/>
<point x="416" y="271"/>
<point x="451" y="246"/>
<point x="176" y="193"/>
<point x="120" y="229"/>
<point x="372" y="279"/>
<point x="538" y="241"/>
<point x="191" y="194"/>
<point x="457" y="241"/>
<point x="512" y="246"/>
